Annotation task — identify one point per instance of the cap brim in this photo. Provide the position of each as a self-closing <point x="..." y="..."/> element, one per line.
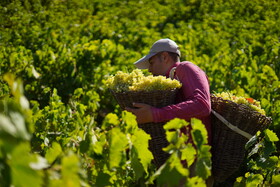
<point x="143" y="63"/>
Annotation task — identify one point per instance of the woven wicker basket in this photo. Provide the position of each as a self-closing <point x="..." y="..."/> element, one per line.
<point x="228" y="146"/>
<point x="156" y="131"/>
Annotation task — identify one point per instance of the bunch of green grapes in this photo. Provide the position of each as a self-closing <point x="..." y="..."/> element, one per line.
<point x="252" y="103"/>
<point x="137" y="81"/>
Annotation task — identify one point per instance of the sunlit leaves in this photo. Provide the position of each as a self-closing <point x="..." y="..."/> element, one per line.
<point x="171" y="173"/>
<point x="110" y="119"/>
<point x="63" y="50"/>
<point x="175" y="124"/>
<point x="203" y="163"/>
<point x="253" y="180"/>
<point x="103" y="179"/>
<point x="195" y="181"/>
<point x="200" y="138"/>
<point x="173" y="134"/>
<point x="276" y="180"/>
<point x="271" y="136"/>
<point x="70" y="169"/>
<point x="140" y="146"/>
<point x="189" y="154"/>
<point x="53" y="152"/>
<point x="117" y="142"/>
<point x="22" y="173"/>
<point x="129" y="122"/>
<point x="13" y="125"/>
<point x="185" y="155"/>
<point x="263" y="164"/>
<point x="17" y="90"/>
<point x="98" y="143"/>
<point x="199" y="132"/>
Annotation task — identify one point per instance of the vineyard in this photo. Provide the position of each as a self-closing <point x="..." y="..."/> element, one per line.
<point x="61" y="126"/>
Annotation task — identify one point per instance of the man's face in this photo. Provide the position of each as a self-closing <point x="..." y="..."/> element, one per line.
<point x="156" y="65"/>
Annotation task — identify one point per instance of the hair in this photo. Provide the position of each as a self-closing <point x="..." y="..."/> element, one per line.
<point x="174" y="56"/>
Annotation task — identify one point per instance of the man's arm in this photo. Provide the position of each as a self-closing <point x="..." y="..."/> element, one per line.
<point x="196" y="96"/>
<point x="143" y="112"/>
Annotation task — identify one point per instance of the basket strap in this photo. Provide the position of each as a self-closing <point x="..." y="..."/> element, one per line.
<point x="232" y="127"/>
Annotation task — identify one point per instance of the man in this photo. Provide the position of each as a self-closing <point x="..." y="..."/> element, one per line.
<point x="193" y="98"/>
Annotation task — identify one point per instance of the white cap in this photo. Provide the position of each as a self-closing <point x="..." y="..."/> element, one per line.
<point x="159" y="46"/>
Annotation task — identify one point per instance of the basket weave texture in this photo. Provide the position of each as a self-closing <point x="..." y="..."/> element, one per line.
<point x="156" y="131"/>
<point x="228" y="147"/>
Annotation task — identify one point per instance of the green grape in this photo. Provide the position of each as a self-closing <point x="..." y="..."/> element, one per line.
<point x="137" y="81"/>
<point x="252" y="103"/>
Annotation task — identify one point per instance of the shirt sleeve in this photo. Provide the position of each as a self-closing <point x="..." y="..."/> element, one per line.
<point x="195" y="96"/>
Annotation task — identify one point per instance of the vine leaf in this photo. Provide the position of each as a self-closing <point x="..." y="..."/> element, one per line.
<point x="117" y="144"/>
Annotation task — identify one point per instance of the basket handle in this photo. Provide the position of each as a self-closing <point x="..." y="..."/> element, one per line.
<point x="232" y="127"/>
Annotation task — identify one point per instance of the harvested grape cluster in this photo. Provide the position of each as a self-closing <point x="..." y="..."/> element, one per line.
<point x="252" y="103"/>
<point x="137" y="81"/>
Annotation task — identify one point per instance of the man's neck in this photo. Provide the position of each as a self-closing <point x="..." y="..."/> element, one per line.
<point x="174" y="64"/>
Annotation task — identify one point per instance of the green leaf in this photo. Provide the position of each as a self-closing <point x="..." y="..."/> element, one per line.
<point x="35" y="73"/>
<point x="276" y="179"/>
<point x="5" y="174"/>
<point x="268" y="148"/>
<point x="203" y="164"/>
<point x="203" y="167"/>
<point x="84" y="144"/>
<point x="267" y="163"/>
<point x="19" y="122"/>
<point x="7" y="126"/>
<point x="195" y="181"/>
<point x="129" y="121"/>
<point x="10" y="79"/>
<point x="251" y="142"/>
<point x="140" y="141"/>
<point x="189" y="154"/>
<point x="53" y="152"/>
<point x="70" y="169"/>
<point x="172" y="136"/>
<point x="22" y="172"/>
<point x="254" y="150"/>
<point x="240" y="182"/>
<point x="135" y="164"/>
<point x="98" y="143"/>
<point x="175" y="124"/>
<point x="199" y="132"/>
<point x="41" y="163"/>
<point x="14" y="124"/>
<point x="23" y="102"/>
<point x="172" y="172"/>
<point x="198" y="138"/>
<point x="169" y="176"/>
<point x="271" y="136"/>
<point x="110" y="119"/>
<point x="254" y="180"/>
<point x="117" y="144"/>
<point x="103" y="179"/>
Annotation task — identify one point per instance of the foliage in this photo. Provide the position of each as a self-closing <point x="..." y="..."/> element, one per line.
<point x="66" y="127"/>
<point x="185" y="153"/>
<point x="262" y="161"/>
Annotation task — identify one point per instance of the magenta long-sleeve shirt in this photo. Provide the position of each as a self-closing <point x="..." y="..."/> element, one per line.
<point x="193" y="98"/>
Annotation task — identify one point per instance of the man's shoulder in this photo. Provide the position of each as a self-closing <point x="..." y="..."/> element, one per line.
<point x="189" y="68"/>
<point x="186" y="65"/>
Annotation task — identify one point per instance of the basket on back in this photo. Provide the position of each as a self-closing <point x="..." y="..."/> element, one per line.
<point x="228" y="142"/>
<point x="157" y="99"/>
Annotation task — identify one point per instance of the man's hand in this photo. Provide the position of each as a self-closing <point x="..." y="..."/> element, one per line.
<point x="143" y="112"/>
